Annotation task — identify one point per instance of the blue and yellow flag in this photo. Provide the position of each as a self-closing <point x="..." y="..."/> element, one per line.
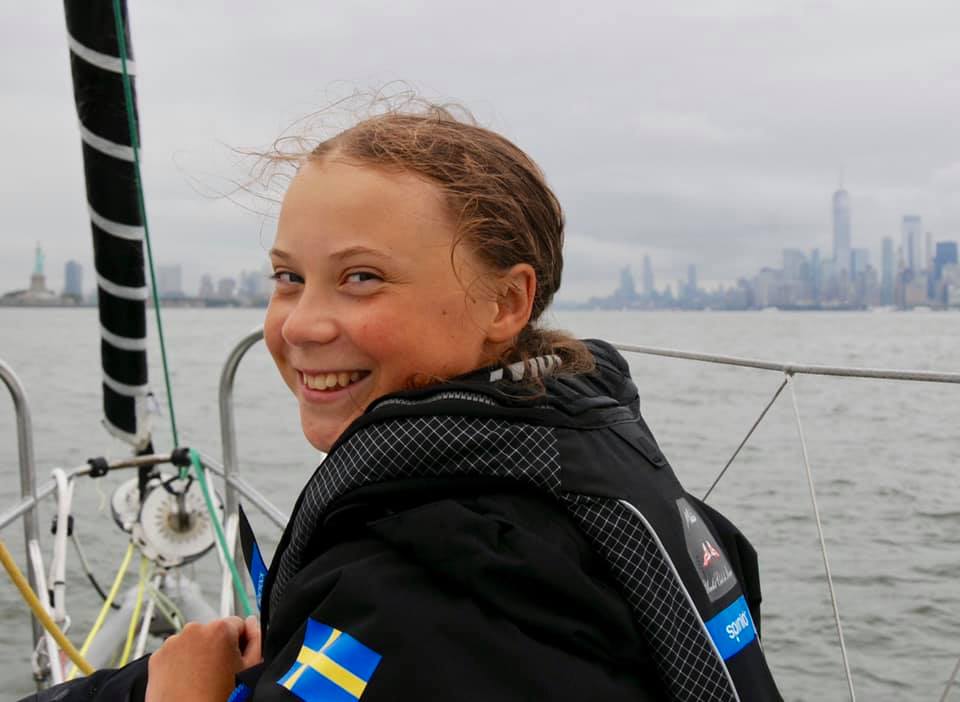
<point x="331" y="667"/>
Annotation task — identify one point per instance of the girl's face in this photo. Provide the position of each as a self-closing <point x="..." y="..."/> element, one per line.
<point x="366" y="296"/>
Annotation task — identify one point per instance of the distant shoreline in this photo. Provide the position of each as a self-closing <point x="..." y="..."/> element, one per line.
<point x="220" y="304"/>
<point x="185" y="304"/>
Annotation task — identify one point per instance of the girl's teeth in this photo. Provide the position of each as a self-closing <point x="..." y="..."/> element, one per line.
<point x="329" y="381"/>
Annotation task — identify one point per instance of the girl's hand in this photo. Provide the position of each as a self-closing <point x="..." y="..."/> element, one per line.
<point x="199" y="663"/>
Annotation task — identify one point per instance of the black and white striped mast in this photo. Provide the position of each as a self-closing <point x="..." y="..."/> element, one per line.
<point x="116" y="219"/>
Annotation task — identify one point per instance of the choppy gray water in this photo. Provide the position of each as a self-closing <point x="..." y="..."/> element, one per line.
<point x="886" y="456"/>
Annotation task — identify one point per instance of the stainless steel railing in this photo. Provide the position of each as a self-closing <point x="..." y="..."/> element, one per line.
<point x="28" y="484"/>
<point x="228" y="431"/>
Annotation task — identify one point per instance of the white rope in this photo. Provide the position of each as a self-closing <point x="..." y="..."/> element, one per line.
<point x="105" y="146"/>
<point x="124" y="388"/>
<point x="746" y="438"/>
<point x="147" y="619"/>
<point x="98" y="59"/>
<point x="823" y="544"/>
<point x="226" y="582"/>
<point x="167" y="607"/>
<point x="129" y="232"/>
<point x="125" y="343"/>
<point x="127" y="292"/>
<point x="53" y="652"/>
<point x="58" y="565"/>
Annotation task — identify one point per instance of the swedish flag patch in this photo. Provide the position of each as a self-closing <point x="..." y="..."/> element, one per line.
<point x="331" y="667"/>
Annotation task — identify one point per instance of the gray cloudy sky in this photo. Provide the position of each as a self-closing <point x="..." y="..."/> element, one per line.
<point x="709" y="132"/>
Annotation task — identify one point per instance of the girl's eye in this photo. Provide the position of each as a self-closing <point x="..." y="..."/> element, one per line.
<point x="285" y="278"/>
<point x="362" y="277"/>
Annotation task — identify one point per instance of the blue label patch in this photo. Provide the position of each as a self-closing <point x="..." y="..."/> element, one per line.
<point x="732" y="630"/>
<point x="258" y="573"/>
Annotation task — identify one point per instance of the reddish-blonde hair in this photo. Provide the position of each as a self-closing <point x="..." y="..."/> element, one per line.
<point x="497" y="198"/>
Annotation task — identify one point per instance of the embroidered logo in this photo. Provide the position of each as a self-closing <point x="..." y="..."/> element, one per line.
<point x="709" y="560"/>
<point x="332" y="666"/>
<point x="709" y="553"/>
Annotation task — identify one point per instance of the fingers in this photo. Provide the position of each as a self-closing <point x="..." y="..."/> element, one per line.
<point x="234" y="626"/>
<point x="251" y="646"/>
<point x="198" y="663"/>
<point x="225" y="632"/>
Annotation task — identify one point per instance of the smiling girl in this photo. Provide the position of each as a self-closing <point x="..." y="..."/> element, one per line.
<point x="493" y="519"/>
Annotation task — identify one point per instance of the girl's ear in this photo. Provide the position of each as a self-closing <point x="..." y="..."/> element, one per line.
<point x="516" y="290"/>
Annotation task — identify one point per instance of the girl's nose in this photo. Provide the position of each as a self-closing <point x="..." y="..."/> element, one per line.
<point x="310" y="322"/>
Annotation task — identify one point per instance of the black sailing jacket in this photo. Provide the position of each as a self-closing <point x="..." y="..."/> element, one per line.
<point x="476" y="541"/>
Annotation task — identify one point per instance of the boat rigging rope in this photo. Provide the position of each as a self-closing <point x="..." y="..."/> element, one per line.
<point x="147" y="618"/>
<point x="953" y="677"/>
<point x="167" y="607"/>
<point x="141" y="203"/>
<point x="101" y="617"/>
<point x="218" y="529"/>
<point x="85" y="565"/>
<point x="746" y="438"/>
<point x="35" y="561"/>
<point x="823" y="545"/>
<point x="135" y="615"/>
<point x="789" y="371"/>
<point x="36" y="606"/>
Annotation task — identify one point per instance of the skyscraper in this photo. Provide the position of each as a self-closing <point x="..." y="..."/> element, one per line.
<point x="946" y="255"/>
<point x="647" y="276"/>
<point x="911" y="231"/>
<point x="626" y="291"/>
<point x="73" y="280"/>
<point x="841" y="230"/>
<point x="945" y="279"/>
<point x="692" y="279"/>
<point x="794" y="262"/>
<point x="886" y="275"/>
<point x="816" y="274"/>
<point x="859" y="261"/>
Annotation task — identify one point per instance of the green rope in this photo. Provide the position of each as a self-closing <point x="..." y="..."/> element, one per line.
<point x="135" y="144"/>
<point x="221" y="539"/>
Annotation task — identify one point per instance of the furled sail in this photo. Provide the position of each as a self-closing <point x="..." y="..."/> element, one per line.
<point x="116" y="215"/>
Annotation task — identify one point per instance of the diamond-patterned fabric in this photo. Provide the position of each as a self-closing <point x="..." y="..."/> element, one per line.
<point x="680" y="646"/>
<point x="416" y="447"/>
<point x="425" y="446"/>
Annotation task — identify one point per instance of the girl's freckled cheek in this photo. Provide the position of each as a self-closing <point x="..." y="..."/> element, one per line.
<point x="381" y="334"/>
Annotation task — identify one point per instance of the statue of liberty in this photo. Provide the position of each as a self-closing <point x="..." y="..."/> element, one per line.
<point x="38" y="260"/>
<point x="38" y="281"/>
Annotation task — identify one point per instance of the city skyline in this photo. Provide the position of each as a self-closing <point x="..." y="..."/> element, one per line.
<point x="738" y="118"/>
<point x="920" y="271"/>
<point x="906" y="228"/>
<point x="916" y="250"/>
